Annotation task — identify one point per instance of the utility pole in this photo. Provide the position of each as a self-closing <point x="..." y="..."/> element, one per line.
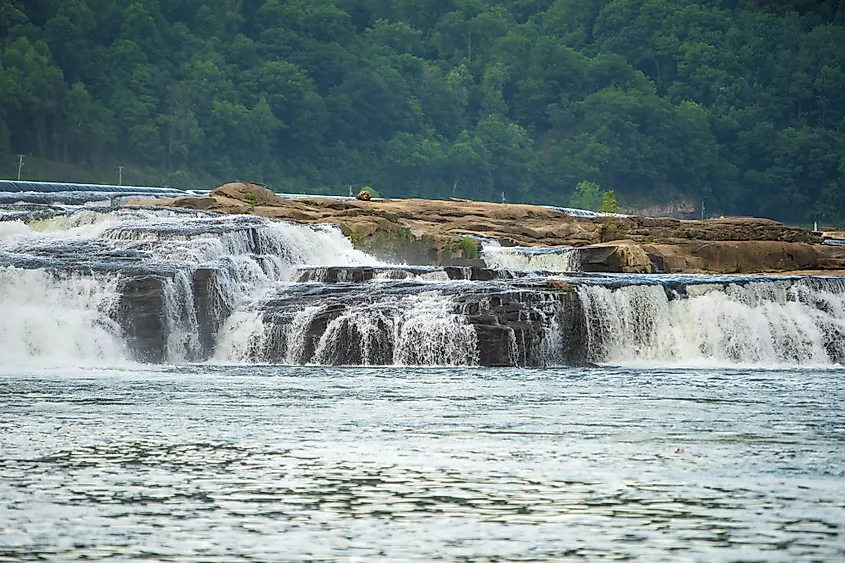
<point x="120" y="175"/>
<point x="20" y="165"/>
<point x="702" y="211"/>
<point x="503" y="197"/>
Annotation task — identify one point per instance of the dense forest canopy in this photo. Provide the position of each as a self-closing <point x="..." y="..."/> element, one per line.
<point x="740" y="103"/>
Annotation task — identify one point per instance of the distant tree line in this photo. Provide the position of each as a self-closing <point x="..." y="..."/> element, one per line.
<point x="737" y="102"/>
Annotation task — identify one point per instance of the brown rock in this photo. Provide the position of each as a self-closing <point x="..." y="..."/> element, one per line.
<point x="560" y="285"/>
<point x="735" y="257"/>
<point x="422" y="231"/>
<point x="364" y="195"/>
<point x="252" y="194"/>
<point x="623" y="257"/>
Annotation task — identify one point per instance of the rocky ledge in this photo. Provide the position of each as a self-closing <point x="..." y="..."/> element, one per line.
<point x="434" y="232"/>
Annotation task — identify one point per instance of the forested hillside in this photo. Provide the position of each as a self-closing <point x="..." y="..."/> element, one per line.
<point x="740" y="103"/>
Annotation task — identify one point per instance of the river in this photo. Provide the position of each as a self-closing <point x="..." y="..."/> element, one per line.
<point x="222" y="463"/>
<point x="181" y="386"/>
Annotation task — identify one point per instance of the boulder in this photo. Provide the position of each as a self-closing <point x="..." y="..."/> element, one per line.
<point x="251" y="194"/>
<point x="625" y="257"/>
<point x="734" y="257"/>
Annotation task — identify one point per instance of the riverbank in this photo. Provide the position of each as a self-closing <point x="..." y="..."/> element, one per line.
<point x="435" y="232"/>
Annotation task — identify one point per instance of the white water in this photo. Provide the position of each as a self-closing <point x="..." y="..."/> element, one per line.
<point x="58" y="320"/>
<point x="429" y="334"/>
<point x="530" y="258"/>
<point x="67" y="319"/>
<point x="762" y="324"/>
<point x="417" y="329"/>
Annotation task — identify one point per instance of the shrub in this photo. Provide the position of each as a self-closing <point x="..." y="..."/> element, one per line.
<point x="372" y="192"/>
<point x="251" y="198"/>
<point x="608" y="204"/>
<point x="468" y="247"/>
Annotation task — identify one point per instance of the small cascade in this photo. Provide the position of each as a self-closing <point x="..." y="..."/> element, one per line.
<point x="531" y="258"/>
<point x="243" y="339"/>
<point x="430" y="333"/>
<point x="783" y="322"/>
<point x="171" y="276"/>
<point x="296" y="335"/>
<point x="411" y="329"/>
<point x="58" y="318"/>
<point x="183" y="343"/>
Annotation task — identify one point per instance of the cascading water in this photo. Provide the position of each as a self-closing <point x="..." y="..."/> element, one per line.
<point x="76" y="271"/>
<point x="58" y="318"/>
<point x="769" y="323"/>
<point x="161" y="285"/>
<point x="415" y="329"/>
<point x="531" y="258"/>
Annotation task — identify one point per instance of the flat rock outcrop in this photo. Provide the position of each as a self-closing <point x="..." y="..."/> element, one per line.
<point x="430" y="232"/>
<point x="713" y="257"/>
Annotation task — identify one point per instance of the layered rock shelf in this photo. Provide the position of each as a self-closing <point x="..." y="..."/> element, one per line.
<point x="433" y="232"/>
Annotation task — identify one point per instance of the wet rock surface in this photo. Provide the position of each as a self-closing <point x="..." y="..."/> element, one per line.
<point x="511" y="323"/>
<point x="142" y="315"/>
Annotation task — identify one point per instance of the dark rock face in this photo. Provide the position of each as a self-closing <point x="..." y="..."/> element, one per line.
<point x="142" y="313"/>
<point x="211" y="306"/>
<point x="494" y="345"/>
<point x="514" y="323"/>
<point x="360" y="274"/>
<point x="142" y="316"/>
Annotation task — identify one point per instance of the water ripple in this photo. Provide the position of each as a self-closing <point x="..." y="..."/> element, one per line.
<point x="201" y="463"/>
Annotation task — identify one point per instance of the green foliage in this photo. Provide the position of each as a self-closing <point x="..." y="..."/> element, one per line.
<point x="371" y="191"/>
<point x="251" y="198"/>
<point x="469" y="248"/>
<point x="587" y="195"/>
<point x="608" y="204"/>
<point x="738" y="103"/>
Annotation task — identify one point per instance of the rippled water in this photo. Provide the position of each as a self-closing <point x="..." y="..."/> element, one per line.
<point x="207" y="463"/>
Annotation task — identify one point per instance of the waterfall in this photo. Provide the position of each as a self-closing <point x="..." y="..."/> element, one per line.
<point x="431" y="334"/>
<point x="166" y="285"/>
<point x="71" y="271"/>
<point x="417" y="329"/>
<point x="59" y="319"/>
<point x="757" y="323"/>
<point x="531" y="258"/>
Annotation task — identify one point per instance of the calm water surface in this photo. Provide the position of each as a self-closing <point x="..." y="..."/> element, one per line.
<point x="204" y="463"/>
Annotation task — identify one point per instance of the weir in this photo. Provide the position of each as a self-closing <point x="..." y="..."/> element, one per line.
<point x="167" y="286"/>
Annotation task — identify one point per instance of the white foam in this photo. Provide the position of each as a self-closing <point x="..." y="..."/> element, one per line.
<point x="58" y="320"/>
<point x="756" y="324"/>
<point x="528" y="258"/>
<point x="68" y="317"/>
<point x="14" y="228"/>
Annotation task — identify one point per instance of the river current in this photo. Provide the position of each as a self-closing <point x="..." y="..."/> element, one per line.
<point x="249" y="463"/>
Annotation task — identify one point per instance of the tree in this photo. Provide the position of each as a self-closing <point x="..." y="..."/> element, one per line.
<point x="608" y="204"/>
<point x="737" y="102"/>
<point x="587" y="195"/>
<point x="511" y="157"/>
